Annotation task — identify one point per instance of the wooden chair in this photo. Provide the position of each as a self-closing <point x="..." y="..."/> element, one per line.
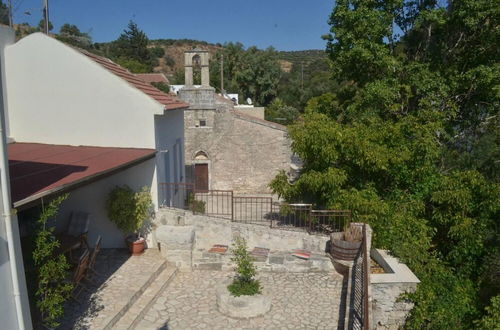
<point x="95" y="251"/>
<point x="78" y="226"/>
<point x="79" y="275"/>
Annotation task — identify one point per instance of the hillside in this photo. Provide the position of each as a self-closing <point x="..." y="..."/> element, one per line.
<point x="174" y="52"/>
<point x="302" y="56"/>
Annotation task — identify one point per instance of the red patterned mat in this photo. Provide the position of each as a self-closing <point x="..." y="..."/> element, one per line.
<point x="217" y="248"/>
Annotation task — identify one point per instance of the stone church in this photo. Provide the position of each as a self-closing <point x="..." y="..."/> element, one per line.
<point x="227" y="148"/>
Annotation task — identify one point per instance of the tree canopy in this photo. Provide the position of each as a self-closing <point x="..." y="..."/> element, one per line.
<point x="252" y="72"/>
<point x="408" y="140"/>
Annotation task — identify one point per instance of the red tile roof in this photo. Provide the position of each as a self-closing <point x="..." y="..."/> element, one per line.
<point x="152" y="77"/>
<point x="38" y="170"/>
<point x="170" y="101"/>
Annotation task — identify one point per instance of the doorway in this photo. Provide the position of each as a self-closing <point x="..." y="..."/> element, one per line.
<point x="201" y="176"/>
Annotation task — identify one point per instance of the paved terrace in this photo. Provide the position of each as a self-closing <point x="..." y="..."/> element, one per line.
<point x="144" y="293"/>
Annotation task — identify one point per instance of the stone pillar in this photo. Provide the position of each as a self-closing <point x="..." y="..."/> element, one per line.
<point x="176" y="245"/>
<point x="205" y="74"/>
<point x="188" y="76"/>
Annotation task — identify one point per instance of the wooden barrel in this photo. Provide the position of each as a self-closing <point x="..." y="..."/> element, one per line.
<point x="343" y="250"/>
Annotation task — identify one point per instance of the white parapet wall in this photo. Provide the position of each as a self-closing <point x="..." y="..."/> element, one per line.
<point x="389" y="309"/>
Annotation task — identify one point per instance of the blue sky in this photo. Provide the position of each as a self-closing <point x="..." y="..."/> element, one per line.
<point x="284" y="24"/>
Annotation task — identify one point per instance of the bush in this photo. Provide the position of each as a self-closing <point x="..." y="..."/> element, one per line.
<point x="128" y="209"/>
<point x="244" y="284"/>
<point x="195" y="205"/>
<point x="52" y="291"/>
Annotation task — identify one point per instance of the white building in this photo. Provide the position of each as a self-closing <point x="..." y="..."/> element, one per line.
<point x="61" y="96"/>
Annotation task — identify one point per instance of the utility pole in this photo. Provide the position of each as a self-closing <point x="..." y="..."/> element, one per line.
<point x="11" y="23"/>
<point x="46" y="16"/>
<point x="302" y="79"/>
<point x="222" y="73"/>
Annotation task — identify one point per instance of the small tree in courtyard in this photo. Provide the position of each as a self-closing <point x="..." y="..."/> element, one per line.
<point x="244" y="283"/>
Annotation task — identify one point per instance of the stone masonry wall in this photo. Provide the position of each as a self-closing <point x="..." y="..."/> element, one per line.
<point x="389" y="309"/>
<point x="388" y="313"/>
<point x="210" y="231"/>
<point x="196" y="234"/>
<point x="244" y="154"/>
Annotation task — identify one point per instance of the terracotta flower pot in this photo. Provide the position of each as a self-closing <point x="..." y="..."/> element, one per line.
<point x="136" y="245"/>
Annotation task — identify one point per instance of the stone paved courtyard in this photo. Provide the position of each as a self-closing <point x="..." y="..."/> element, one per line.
<point x="299" y="301"/>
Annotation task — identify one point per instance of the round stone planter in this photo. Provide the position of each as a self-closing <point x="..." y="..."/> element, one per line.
<point x="242" y="307"/>
<point x="343" y="250"/>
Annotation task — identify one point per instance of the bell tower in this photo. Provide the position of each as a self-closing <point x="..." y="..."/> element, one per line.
<point x="193" y="58"/>
<point x="202" y="97"/>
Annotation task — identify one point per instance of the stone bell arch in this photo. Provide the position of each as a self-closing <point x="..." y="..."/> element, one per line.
<point x="193" y="58"/>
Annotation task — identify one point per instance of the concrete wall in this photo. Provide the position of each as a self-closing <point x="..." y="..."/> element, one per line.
<point x="57" y="95"/>
<point x="169" y="136"/>
<point x="92" y="199"/>
<point x="244" y="154"/>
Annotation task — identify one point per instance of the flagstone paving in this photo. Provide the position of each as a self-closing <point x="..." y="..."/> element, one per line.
<point x="299" y="301"/>
<point x="120" y="281"/>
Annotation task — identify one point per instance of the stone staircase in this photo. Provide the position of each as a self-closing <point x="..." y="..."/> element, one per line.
<point x="140" y="306"/>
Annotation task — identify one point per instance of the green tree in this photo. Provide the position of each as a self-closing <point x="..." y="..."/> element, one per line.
<point x="281" y="113"/>
<point x="252" y="73"/>
<point x="71" y="34"/>
<point x="132" y="47"/>
<point x="41" y="25"/>
<point x="395" y="141"/>
<point x="164" y="87"/>
<point x="4" y="13"/>
<point x="52" y="291"/>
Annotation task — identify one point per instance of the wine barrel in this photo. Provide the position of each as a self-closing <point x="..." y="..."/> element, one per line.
<point x="342" y="249"/>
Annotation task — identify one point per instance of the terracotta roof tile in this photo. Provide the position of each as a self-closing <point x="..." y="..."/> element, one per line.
<point x="169" y="101"/>
<point x="152" y="77"/>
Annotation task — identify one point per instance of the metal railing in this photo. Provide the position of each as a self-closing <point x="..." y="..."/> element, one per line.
<point x="255" y="210"/>
<point x="217" y="203"/>
<point x="365" y="250"/>
<point x="329" y="221"/>
<point x="360" y="309"/>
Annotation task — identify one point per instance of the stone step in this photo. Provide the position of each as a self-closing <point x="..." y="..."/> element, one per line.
<point x="121" y="308"/>
<point x="136" y="312"/>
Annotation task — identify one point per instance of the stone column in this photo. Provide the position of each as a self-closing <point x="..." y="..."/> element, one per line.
<point x="205" y="74"/>
<point x="188" y="75"/>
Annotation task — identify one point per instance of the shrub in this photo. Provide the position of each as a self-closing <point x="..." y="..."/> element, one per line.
<point x="128" y="209"/>
<point x="244" y="283"/>
<point x="52" y="291"/>
<point x="195" y="205"/>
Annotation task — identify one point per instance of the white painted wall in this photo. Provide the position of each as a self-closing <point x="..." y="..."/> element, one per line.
<point x="92" y="199"/>
<point x="8" y="313"/>
<point x="57" y="95"/>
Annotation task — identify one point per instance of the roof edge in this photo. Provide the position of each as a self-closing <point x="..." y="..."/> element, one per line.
<point x="28" y="201"/>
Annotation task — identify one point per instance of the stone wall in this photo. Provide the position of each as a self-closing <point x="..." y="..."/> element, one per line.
<point x="209" y="231"/>
<point x="389" y="311"/>
<point x="244" y="153"/>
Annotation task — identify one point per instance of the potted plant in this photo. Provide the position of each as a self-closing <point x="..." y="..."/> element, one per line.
<point x="345" y="245"/>
<point x="241" y="297"/>
<point x="128" y="210"/>
<point x="244" y="283"/>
